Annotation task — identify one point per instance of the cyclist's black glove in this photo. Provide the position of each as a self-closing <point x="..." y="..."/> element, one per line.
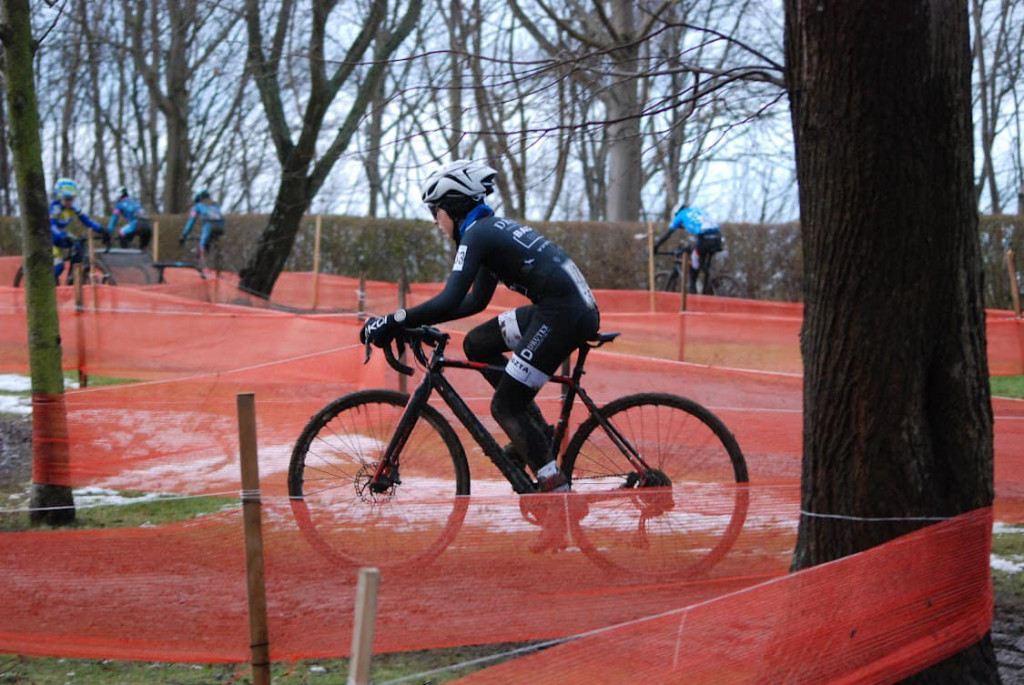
<point x="380" y="331"/>
<point x="181" y="241"/>
<point x="106" y="238"/>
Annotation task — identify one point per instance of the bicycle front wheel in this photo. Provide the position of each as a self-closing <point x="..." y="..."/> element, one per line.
<point x="337" y="455"/>
<point x="686" y="514"/>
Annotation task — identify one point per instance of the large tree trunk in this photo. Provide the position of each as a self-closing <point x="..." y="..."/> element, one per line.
<point x="275" y="242"/>
<point x="52" y="501"/>
<point x="897" y="414"/>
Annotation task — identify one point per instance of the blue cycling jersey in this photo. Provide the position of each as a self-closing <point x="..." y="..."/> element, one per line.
<point x="132" y="211"/>
<point x="212" y="219"/>
<point x="696" y="221"/>
<point x="61" y="217"/>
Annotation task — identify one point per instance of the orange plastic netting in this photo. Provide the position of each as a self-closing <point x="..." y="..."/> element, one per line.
<point x="711" y="569"/>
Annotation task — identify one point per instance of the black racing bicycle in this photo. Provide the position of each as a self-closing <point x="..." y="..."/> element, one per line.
<point x="379" y="477"/>
<point x="670" y="280"/>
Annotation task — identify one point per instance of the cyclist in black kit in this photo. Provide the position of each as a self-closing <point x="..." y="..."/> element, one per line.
<point x="563" y="313"/>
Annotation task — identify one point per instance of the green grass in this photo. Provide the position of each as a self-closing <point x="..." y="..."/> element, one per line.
<point x="1009" y="544"/>
<point x="22" y="670"/>
<point x="123" y="514"/>
<point x="1007" y="386"/>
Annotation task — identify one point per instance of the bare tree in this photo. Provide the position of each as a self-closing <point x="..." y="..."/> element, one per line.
<point x="303" y="171"/>
<point x="897" y="413"/>
<point x="170" y="42"/>
<point x="998" y="71"/>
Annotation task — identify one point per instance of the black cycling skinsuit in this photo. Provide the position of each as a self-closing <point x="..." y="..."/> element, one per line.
<point x="541" y="335"/>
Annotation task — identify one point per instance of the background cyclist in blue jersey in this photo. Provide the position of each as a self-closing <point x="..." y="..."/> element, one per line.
<point x="63" y="211"/>
<point x="131" y="210"/>
<point x="490" y="249"/>
<point x="706" y="232"/>
<point x="208" y="212"/>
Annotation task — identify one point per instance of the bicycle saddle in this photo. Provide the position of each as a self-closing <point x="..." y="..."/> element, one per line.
<point x="602" y="338"/>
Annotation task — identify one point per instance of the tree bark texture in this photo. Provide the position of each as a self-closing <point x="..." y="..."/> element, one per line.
<point x="52" y="502"/>
<point x="897" y="413"/>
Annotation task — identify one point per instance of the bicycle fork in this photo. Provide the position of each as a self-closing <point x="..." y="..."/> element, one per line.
<point x="387" y="474"/>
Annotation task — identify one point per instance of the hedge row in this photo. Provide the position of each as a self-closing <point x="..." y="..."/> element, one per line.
<point x="765" y="259"/>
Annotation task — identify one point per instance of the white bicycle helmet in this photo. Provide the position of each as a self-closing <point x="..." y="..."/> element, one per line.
<point x="461" y="178"/>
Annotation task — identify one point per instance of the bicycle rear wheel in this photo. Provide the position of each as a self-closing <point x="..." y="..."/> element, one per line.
<point x="687" y="514"/>
<point x="335" y="458"/>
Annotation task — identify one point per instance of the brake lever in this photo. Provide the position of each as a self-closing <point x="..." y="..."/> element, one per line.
<point x="393" y="360"/>
<point x="369" y="352"/>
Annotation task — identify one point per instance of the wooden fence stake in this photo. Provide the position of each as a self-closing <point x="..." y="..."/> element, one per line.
<point x="650" y="263"/>
<point x="77" y="271"/>
<point x="1011" y="267"/>
<point x="363" y="626"/>
<point x="316" y="261"/>
<point x="684" y="286"/>
<point x="156" y="241"/>
<point x="259" y="641"/>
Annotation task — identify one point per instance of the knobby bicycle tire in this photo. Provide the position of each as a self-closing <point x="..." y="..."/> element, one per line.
<point x="336" y="455"/>
<point x="664" y="532"/>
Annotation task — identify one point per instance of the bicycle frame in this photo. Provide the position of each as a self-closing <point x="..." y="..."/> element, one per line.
<point x="434" y="379"/>
<point x="677" y="255"/>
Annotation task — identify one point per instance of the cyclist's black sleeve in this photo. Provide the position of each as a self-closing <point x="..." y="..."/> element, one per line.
<point x="479" y="296"/>
<point x="447" y="304"/>
<point x="664" y="236"/>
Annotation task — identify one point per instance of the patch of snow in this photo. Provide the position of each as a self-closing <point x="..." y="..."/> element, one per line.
<point x="15" y="404"/>
<point x="1013" y="564"/>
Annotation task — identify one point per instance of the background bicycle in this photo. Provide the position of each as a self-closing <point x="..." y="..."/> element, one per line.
<point x="379" y="477"/>
<point x="212" y="259"/>
<point x="94" y="270"/>
<point x="670" y="280"/>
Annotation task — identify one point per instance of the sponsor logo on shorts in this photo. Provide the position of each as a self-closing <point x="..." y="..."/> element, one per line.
<point x="525" y="373"/>
<point x="535" y="342"/>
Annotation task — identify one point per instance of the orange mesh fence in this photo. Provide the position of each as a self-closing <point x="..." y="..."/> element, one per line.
<point x="744" y="334"/>
<point x="449" y="566"/>
<point x="722" y="613"/>
<point x="8" y="268"/>
<point x="875" y="617"/>
<point x="177" y="592"/>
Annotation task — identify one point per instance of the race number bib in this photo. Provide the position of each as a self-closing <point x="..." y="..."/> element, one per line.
<point x="460" y="258"/>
